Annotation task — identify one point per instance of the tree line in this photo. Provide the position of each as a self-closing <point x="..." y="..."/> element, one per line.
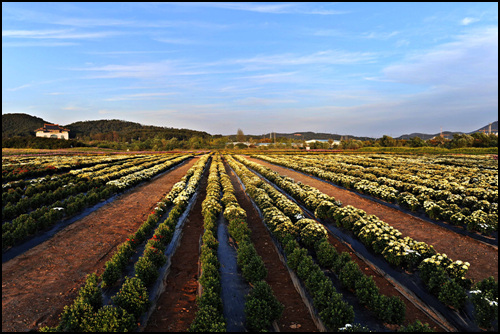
<point x="159" y="142"/>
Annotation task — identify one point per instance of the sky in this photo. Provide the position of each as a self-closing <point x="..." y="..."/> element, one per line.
<point x="362" y="69"/>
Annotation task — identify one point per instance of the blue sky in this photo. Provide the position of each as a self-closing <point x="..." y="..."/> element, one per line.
<point x="364" y="69"/>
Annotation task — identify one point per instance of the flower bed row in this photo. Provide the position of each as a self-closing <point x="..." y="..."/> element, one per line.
<point x="261" y="307"/>
<point x="443" y="277"/>
<point x="18" y="168"/>
<point x="87" y="312"/>
<point x="47" y="190"/>
<point x="333" y="311"/>
<point x="209" y="317"/>
<point x="474" y="207"/>
<point x="313" y="236"/>
<point x="20" y="196"/>
<point x="26" y="225"/>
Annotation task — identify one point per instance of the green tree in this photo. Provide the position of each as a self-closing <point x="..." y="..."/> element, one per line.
<point x="417" y="142"/>
<point x="240" y="136"/>
<point x="461" y="140"/>
<point x="387" y="141"/>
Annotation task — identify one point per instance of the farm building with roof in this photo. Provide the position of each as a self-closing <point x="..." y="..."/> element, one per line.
<point x="52" y="131"/>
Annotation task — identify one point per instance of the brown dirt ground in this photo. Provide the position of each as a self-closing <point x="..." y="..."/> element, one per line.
<point x="413" y="313"/>
<point x="39" y="283"/>
<point x="176" y="307"/>
<point x="295" y="312"/>
<point x="483" y="258"/>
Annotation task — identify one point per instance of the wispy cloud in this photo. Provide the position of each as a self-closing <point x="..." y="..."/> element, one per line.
<point x="37" y="44"/>
<point x="320" y="57"/>
<point x="259" y="101"/>
<point x="56" y="34"/>
<point x="468" y="20"/>
<point x="471" y="59"/>
<point x="19" y="87"/>
<point x="379" y="35"/>
<point x="260" y="7"/>
<point x="168" y="40"/>
<point x="118" y="53"/>
<point x="140" y="96"/>
<point x="173" y="67"/>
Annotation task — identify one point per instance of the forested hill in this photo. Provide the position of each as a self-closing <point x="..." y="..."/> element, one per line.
<point x="24" y="125"/>
<point x="126" y="131"/>
<point x="20" y="125"/>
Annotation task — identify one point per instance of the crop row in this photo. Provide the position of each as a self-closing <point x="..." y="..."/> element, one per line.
<point x="444" y="278"/>
<point x="333" y="311"/>
<point x="286" y="219"/>
<point x="474" y="206"/>
<point x="46" y="190"/>
<point x="16" y="168"/>
<point x="209" y="317"/>
<point x="87" y="312"/>
<point x="42" y="217"/>
<point x="261" y="307"/>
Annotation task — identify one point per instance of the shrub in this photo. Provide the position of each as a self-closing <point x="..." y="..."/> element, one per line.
<point x="210" y="297"/>
<point x="392" y="309"/>
<point x="208" y="319"/>
<point x="254" y="270"/>
<point x="349" y="274"/>
<point x="239" y="229"/>
<point x="209" y="240"/>
<point x="337" y="314"/>
<point x="112" y="319"/>
<point x="417" y="326"/>
<point x="208" y="255"/>
<point x="340" y="262"/>
<point x="210" y="277"/>
<point x="324" y="294"/>
<point x="75" y="316"/>
<point x="326" y="254"/>
<point x="294" y="259"/>
<point x="146" y="270"/>
<point x="245" y="252"/>
<point x="313" y="233"/>
<point x="485" y="300"/>
<point x="111" y="274"/>
<point x="156" y="256"/>
<point x="314" y="279"/>
<point x="322" y="209"/>
<point x="262" y="307"/>
<point x="366" y="291"/>
<point x="90" y="292"/>
<point x="305" y="267"/>
<point x="290" y="245"/>
<point x="132" y="297"/>
<point x="453" y="294"/>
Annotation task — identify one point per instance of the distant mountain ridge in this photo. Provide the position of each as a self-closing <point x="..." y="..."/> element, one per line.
<point x="19" y="124"/>
<point x="449" y="134"/>
<point x="24" y="125"/>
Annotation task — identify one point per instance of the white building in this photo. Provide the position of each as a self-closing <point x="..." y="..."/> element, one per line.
<point x="52" y="131"/>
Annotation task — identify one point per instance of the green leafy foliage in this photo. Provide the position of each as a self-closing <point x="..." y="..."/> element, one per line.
<point x="132" y="297"/>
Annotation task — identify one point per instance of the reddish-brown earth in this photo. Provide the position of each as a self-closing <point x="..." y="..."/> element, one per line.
<point x="483" y="258"/>
<point x="39" y="283"/>
<point x="296" y="316"/>
<point x="176" y="308"/>
<point x="413" y="313"/>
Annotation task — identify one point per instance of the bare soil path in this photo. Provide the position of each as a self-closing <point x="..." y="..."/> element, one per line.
<point x="413" y="313"/>
<point x="176" y="308"/>
<point x="296" y="316"/>
<point x="482" y="257"/>
<point x="39" y="283"/>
